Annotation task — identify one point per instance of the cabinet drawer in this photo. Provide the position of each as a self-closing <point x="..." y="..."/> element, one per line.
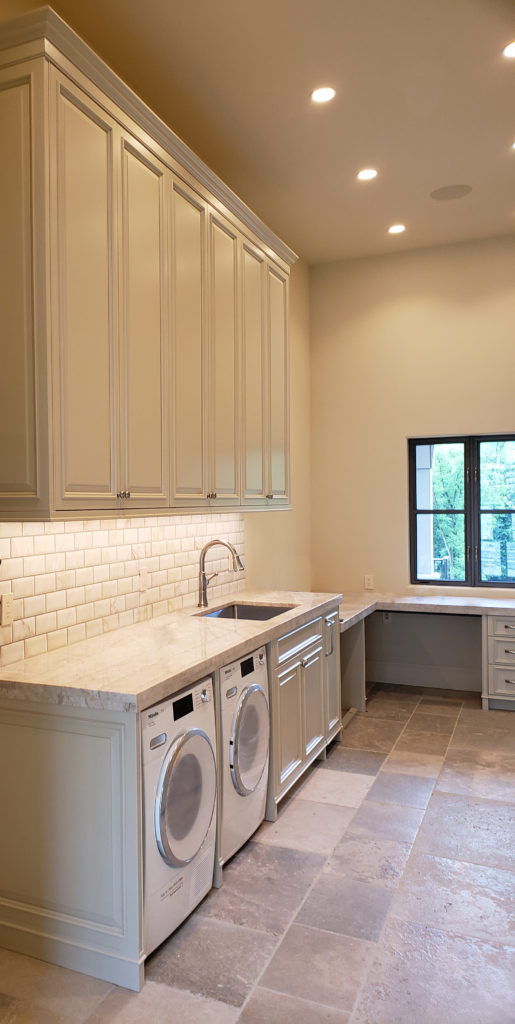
<point x="498" y="626"/>
<point x="501" y="652"/>
<point x="294" y="644"/>
<point x="501" y="681"/>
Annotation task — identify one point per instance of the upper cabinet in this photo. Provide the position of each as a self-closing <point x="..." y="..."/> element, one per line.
<point x="145" y="363"/>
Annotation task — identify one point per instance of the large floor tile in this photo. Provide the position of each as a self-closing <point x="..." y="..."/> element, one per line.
<point x="160" y="1004"/>
<point x="71" y="997"/>
<point x="441" y="724"/>
<point x="386" y="821"/>
<point x="319" y="966"/>
<point x="372" y="733"/>
<point x="343" y="905"/>
<point x="397" y="788"/>
<point x="465" y="899"/>
<point x="263" y="887"/>
<point x="214" y="959"/>
<point x="346" y="759"/>
<point x="488" y="730"/>
<point x="439" y="706"/>
<point x="417" y="740"/>
<point x="489" y="774"/>
<point x="266" y="1007"/>
<point x="345" y="789"/>
<point x="465" y="828"/>
<point x="424" y="976"/>
<point x="409" y="763"/>
<point x="307" y="825"/>
<point x="390" y="706"/>
<point x="368" y="859"/>
<point x="19" y="1011"/>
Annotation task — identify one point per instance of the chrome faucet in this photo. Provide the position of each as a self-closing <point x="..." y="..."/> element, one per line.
<point x="203" y="578"/>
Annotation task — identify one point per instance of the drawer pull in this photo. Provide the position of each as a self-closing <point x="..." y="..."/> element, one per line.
<point x="506" y="626"/>
<point x="510" y="682"/>
<point x="508" y="651"/>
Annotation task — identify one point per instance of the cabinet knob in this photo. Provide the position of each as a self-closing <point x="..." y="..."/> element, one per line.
<point x="269" y="495"/>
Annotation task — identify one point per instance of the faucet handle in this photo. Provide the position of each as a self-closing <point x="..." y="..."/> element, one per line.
<point x="209" y="578"/>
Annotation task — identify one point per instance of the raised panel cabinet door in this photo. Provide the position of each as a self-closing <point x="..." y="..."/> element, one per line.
<point x="17" y="375"/>
<point x="84" y="275"/>
<point x="314" y="703"/>
<point x="278" y="454"/>
<point x="290" y="732"/>
<point x="254" y="375"/>
<point x="332" y="674"/>
<point x="223" y="363"/>
<point x="143" y="321"/>
<point x="188" y="367"/>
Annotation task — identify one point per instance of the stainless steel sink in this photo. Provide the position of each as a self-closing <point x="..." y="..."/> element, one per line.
<point x="248" y="611"/>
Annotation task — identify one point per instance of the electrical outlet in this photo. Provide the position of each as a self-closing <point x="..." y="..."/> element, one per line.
<point x="387" y="617"/>
<point x="7" y="609"/>
<point x="369" y="582"/>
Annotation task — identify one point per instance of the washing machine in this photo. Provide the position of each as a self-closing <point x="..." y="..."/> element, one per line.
<point x="179" y="808"/>
<point x="244" y="735"/>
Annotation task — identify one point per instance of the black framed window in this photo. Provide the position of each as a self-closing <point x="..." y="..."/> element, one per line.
<point x="462" y="510"/>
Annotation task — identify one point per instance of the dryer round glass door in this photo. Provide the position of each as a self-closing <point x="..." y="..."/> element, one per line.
<point x="185" y="797"/>
<point x="249" y="740"/>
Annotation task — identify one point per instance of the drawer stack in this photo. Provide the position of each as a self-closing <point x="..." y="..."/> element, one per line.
<point x="501" y="657"/>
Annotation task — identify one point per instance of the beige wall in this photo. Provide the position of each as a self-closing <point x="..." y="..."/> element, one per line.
<point x="421" y="343"/>
<point x="277" y="544"/>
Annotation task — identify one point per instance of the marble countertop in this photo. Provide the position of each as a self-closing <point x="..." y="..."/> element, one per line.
<point x="355" y="607"/>
<point x="132" y="668"/>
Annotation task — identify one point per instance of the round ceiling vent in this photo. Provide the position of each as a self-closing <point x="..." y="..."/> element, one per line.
<point x="451" y="192"/>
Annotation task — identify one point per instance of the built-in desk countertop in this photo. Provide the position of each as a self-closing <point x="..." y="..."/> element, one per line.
<point x="355" y="608"/>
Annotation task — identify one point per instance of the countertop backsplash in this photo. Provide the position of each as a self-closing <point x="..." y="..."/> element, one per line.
<point x="76" y="579"/>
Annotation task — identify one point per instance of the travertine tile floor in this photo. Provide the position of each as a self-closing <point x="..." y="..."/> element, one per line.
<point x="383" y="894"/>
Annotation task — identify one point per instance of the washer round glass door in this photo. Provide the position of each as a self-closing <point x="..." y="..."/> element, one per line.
<point x="185" y="797"/>
<point x="249" y="740"/>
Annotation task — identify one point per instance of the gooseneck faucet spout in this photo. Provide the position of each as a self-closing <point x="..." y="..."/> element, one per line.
<point x="203" y="578"/>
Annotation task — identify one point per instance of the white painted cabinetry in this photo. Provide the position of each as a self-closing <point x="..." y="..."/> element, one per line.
<point x="144" y="306"/>
<point x="108" y="283"/>
<point x="499" y="660"/>
<point x="305" y="701"/>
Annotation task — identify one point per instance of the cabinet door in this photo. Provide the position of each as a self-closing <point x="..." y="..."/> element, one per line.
<point x="314" y="700"/>
<point x="278" y="412"/>
<point x="22" y="220"/>
<point x="290" y="733"/>
<point x="332" y="674"/>
<point x="188" y="368"/>
<point x="84" y="299"/>
<point x="254" y="376"/>
<point x="223" y="441"/>
<point x="143" y="320"/>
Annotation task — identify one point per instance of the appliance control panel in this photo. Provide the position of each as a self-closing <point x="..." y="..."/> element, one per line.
<point x="252" y="669"/>
<point x="157" y="722"/>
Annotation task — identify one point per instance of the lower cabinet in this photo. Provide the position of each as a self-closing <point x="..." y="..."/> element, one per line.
<point x="499" y="661"/>
<point x="305" y="702"/>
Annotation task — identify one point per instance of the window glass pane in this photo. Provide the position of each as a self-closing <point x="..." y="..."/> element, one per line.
<point x="441" y="547"/>
<point x="497" y="474"/>
<point x="440" y="475"/>
<point x="498" y="548"/>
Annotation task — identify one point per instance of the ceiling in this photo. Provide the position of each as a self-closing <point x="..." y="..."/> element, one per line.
<point x="423" y="94"/>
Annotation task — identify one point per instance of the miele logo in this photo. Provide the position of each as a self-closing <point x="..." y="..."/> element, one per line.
<point x="153" y="714"/>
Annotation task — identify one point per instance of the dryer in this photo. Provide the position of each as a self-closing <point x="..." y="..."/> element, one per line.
<point x="244" y="737"/>
<point x="179" y="808"/>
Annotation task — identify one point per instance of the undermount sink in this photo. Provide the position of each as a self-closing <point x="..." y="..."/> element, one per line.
<point x="248" y="611"/>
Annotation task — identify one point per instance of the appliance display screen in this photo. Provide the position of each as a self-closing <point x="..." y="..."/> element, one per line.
<point x="247" y="667"/>
<point x="183" y="706"/>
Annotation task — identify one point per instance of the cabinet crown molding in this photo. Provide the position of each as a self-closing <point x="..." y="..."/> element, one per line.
<point x="52" y="36"/>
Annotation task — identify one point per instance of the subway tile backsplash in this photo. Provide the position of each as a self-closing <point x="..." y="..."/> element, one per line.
<point x="75" y="579"/>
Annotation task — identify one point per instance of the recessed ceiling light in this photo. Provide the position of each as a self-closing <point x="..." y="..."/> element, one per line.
<point x="509" y="50"/>
<point x="367" y="174"/>
<point x="323" y="95"/>
<point x="397" y="229"/>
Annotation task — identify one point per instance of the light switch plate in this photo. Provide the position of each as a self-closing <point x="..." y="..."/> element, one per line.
<point x="7" y="609"/>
